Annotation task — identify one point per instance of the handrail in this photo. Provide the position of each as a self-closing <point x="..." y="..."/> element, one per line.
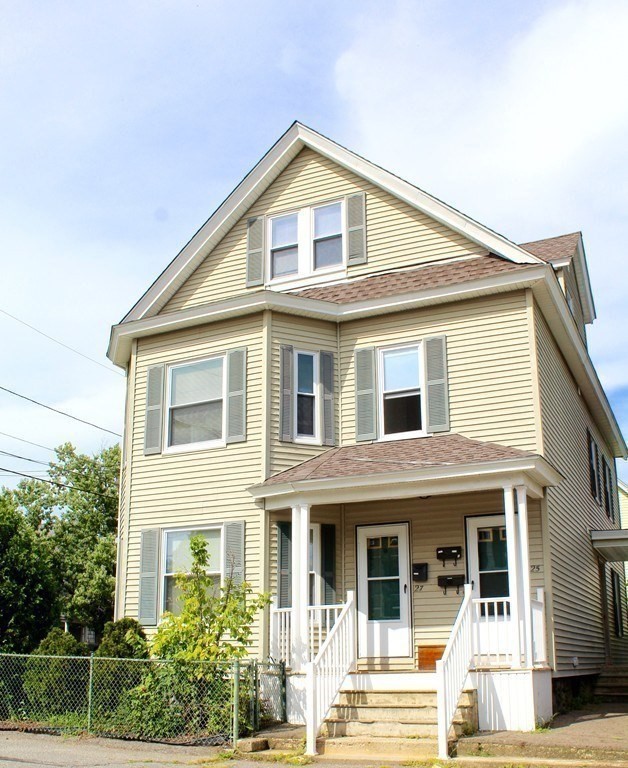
<point x="452" y="670"/>
<point x="321" y="619"/>
<point x="335" y="659"/>
<point x="539" y="645"/>
<point x="281" y="633"/>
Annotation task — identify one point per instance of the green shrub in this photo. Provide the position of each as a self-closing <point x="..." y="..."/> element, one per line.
<point x="60" y="643"/>
<point x="123" y="639"/>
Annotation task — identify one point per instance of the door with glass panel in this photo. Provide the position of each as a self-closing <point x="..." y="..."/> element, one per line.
<point x="488" y="573"/>
<point x="383" y="591"/>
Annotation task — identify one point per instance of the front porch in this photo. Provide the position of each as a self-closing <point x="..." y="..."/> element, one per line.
<point x="434" y="568"/>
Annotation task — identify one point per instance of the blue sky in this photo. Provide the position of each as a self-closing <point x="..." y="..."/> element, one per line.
<point x="125" y="124"/>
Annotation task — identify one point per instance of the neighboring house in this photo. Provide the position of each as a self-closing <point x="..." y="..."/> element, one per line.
<point x="364" y="398"/>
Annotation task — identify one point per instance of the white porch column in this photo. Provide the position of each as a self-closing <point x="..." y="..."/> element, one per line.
<point x="513" y="572"/>
<point x="524" y="546"/>
<point x="300" y="558"/>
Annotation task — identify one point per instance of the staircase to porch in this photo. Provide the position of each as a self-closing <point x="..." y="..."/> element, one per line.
<point x="612" y="684"/>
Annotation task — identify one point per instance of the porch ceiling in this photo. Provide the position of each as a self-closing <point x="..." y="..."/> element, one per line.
<point x="612" y="545"/>
<point x="442" y="464"/>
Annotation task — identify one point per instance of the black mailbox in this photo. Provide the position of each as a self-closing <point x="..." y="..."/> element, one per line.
<point x="449" y="553"/>
<point x="449" y="582"/>
<point x="419" y="571"/>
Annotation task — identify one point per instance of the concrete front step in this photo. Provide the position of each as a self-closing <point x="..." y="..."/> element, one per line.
<point x="398" y="698"/>
<point x="358" y="747"/>
<point x="369" y="714"/>
<point x="385" y="729"/>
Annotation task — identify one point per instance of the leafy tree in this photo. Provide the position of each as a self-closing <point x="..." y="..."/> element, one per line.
<point x="27" y="584"/>
<point x="215" y="623"/>
<point x="123" y="639"/>
<point x="78" y="520"/>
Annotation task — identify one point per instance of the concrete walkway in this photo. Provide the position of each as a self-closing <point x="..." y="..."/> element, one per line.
<point x="600" y="731"/>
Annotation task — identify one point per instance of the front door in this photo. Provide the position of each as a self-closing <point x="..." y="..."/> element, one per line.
<point x="488" y="573"/>
<point x="384" y="590"/>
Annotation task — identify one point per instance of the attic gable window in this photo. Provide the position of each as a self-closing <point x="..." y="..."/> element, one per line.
<point x="305" y="243"/>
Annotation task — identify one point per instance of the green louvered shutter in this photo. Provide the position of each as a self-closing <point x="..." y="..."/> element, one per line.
<point x="356" y="228"/>
<point x="234" y="551"/>
<point x="154" y="409"/>
<point x="149" y="574"/>
<point x="236" y="395"/>
<point x="255" y="252"/>
<point x="437" y="386"/>
<point x="327" y="378"/>
<point x="284" y="565"/>
<point x="365" y="395"/>
<point x="286" y="404"/>
<point x="328" y="563"/>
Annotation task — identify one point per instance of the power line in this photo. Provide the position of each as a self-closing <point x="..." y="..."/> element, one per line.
<point x="64" y="470"/>
<point x="22" y="440"/>
<point x="60" y="343"/>
<point x="61" y="485"/>
<point x="24" y="458"/>
<point x="63" y="413"/>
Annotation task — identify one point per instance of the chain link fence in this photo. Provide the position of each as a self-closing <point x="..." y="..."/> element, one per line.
<point x="198" y="702"/>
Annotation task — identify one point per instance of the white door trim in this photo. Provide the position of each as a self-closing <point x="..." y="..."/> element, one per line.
<point x="473" y="523"/>
<point x="380" y="638"/>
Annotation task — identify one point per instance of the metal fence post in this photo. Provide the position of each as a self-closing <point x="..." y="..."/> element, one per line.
<point x="284" y="695"/>
<point x="236" y="702"/>
<point x="90" y="693"/>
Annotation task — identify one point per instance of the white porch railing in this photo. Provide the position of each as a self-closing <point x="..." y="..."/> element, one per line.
<point x="281" y="633"/>
<point x="452" y="670"/>
<point x="539" y="646"/>
<point x="336" y="658"/>
<point x="492" y="629"/>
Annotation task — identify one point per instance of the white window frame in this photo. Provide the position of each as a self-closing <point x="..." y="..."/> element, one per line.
<point x="314" y="439"/>
<point x="315" y="533"/>
<point x="305" y="245"/>
<point x="185" y="447"/>
<point x="162" y="561"/>
<point x="420" y="347"/>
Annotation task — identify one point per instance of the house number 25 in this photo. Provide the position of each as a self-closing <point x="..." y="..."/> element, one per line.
<point x="535" y="568"/>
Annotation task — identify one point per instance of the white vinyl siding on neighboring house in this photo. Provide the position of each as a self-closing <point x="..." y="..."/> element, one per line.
<point x="396" y="234"/>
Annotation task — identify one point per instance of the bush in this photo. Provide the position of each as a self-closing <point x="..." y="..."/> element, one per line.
<point x="60" y="643"/>
<point x="123" y="639"/>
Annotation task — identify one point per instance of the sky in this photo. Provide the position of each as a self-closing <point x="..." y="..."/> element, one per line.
<point x="124" y="125"/>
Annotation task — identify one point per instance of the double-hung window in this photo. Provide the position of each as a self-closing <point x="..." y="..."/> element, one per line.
<point x="178" y="559"/>
<point x="196" y="403"/>
<point x="307" y="242"/>
<point x="594" y="469"/>
<point x="401" y="406"/>
<point x="608" y="489"/>
<point x="327" y="240"/>
<point x="307" y="396"/>
<point x="284" y="245"/>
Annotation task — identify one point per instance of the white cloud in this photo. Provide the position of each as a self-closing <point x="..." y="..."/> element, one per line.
<point x="526" y="132"/>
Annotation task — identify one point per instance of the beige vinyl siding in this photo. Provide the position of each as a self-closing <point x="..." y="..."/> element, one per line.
<point x="572" y="511"/>
<point x="488" y="355"/>
<point x="397" y="234"/>
<point x="198" y="487"/>
<point x="304" y="334"/>
<point x="570" y="287"/>
<point x="434" y="522"/>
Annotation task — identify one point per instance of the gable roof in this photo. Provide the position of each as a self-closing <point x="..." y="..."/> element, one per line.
<point x="262" y="176"/>
<point x="562" y="251"/>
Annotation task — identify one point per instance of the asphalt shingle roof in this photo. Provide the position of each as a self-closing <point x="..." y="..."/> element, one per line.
<point x="395" y="456"/>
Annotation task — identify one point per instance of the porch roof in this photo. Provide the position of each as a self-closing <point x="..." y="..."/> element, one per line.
<point x="403" y="468"/>
<point x="611" y="544"/>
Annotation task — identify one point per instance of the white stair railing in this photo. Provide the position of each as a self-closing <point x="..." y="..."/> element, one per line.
<point x="336" y="658"/>
<point x="493" y="632"/>
<point x="452" y="671"/>
<point x="320" y="618"/>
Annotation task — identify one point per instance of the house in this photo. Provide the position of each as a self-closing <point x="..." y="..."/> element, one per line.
<point x="385" y="414"/>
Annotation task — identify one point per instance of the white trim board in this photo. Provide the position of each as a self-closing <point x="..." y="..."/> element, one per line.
<point x="262" y="176"/>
